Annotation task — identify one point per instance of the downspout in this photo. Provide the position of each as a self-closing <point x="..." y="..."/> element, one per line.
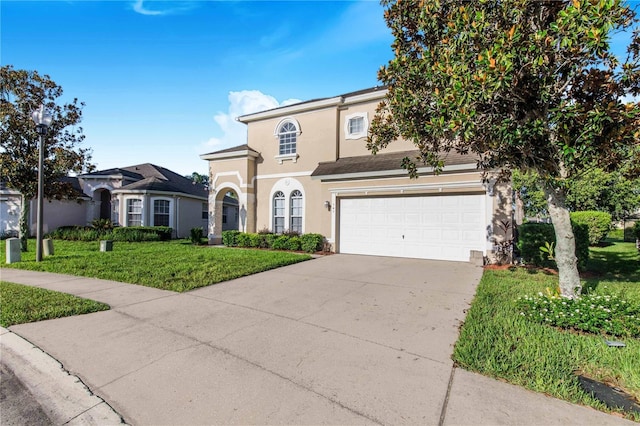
<point x="177" y="214"/>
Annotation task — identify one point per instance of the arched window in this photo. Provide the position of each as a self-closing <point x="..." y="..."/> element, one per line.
<point x="287" y="134"/>
<point x="295" y="218"/>
<point x="278" y="212"/>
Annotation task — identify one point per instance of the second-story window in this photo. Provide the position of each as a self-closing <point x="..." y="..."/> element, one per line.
<point x="287" y="135"/>
<point x="356" y="125"/>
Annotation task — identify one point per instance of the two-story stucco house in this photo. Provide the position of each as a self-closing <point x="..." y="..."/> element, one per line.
<point x="306" y="168"/>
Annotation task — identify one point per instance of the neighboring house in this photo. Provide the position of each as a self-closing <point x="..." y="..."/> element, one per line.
<point x="56" y="213"/>
<point x="306" y="168"/>
<point x="141" y="195"/>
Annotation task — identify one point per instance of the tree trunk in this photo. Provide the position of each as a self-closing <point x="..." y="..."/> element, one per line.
<point x="24" y="221"/>
<point x="565" y="251"/>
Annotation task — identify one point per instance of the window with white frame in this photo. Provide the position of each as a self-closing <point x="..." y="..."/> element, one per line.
<point x="356" y="125"/>
<point x="295" y="219"/>
<point x="287" y="136"/>
<point x="134" y="212"/>
<point x="205" y="211"/>
<point x="278" y="212"/>
<point x="161" y="212"/>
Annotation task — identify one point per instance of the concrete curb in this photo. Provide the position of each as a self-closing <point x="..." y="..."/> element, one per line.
<point x="62" y="396"/>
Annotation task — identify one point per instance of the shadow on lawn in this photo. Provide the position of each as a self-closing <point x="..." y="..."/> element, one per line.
<point x="612" y="266"/>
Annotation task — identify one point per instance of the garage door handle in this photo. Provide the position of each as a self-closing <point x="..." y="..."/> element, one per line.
<point x="403" y="237"/>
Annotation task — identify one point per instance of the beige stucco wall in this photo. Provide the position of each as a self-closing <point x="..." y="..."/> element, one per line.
<point x="57" y="213"/>
<point x="315" y="143"/>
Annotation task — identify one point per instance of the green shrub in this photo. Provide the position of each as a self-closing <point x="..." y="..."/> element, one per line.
<point x="311" y="243"/>
<point x="266" y="240"/>
<point x="280" y="242"/>
<point x="196" y="234"/>
<point x="102" y="224"/>
<point x="293" y="244"/>
<point x="141" y="233"/>
<point x="78" y="233"/>
<point x="532" y="236"/>
<point x="254" y="240"/>
<point x="243" y="240"/>
<point x="636" y="230"/>
<point x="230" y="238"/>
<point x="599" y="224"/>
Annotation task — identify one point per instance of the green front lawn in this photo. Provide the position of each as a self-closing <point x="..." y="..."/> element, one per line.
<point x="498" y="341"/>
<point x="173" y="265"/>
<point x="22" y="304"/>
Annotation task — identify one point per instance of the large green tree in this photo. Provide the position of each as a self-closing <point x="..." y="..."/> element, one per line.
<point x="520" y="84"/>
<point x="21" y="92"/>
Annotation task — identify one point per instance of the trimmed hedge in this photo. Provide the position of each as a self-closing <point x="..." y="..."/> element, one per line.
<point x="230" y="238"/>
<point x="127" y="234"/>
<point x="309" y="243"/>
<point x="599" y="224"/>
<point x="532" y="236"/>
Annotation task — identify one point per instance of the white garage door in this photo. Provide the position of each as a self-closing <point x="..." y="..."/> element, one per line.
<point x="436" y="227"/>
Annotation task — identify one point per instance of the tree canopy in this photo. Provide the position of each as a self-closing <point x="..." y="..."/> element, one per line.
<point x="519" y="84"/>
<point x="22" y="92"/>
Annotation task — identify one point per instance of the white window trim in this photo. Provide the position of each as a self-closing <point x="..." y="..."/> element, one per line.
<point x="126" y="210"/>
<point x="287" y="186"/>
<point x="365" y="127"/>
<point x="153" y="210"/>
<point x="287" y="157"/>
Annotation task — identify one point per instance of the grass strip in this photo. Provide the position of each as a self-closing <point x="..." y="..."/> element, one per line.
<point x="172" y="265"/>
<point x="497" y="341"/>
<point x="22" y="304"/>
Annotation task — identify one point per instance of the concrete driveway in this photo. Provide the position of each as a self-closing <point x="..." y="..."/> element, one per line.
<point x="337" y="340"/>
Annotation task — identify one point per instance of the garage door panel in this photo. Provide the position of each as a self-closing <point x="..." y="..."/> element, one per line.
<point x="434" y="227"/>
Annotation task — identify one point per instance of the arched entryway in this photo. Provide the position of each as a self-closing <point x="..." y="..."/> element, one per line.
<point x="230" y="211"/>
<point x="103" y="198"/>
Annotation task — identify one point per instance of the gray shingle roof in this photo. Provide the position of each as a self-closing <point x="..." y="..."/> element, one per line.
<point x="149" y="177"/>
<point x="383" y="162"/>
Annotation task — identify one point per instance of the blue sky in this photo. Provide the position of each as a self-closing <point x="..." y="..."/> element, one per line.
<point x="164" y="80"/>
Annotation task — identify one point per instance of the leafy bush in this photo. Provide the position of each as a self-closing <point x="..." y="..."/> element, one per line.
<point x="311" y="243"/>
<point x="196" y="234"/>
<point x="636" y="230"/>
<point x="280" y="243"/>
<point x="78" y="233"/>
<point x="599" y="224"/>
<point x="141" y="233"/>
<point x="532" y="236"/>
<point x="102" y="224"/>
<point x="292" y="241"/>
<point x="610" y="314"/>
<point x="243" y="240"/>
<point x="266" y="240"/>
<point x="293" y="244"/>
<point x="254" y="240"/>
<point x="230" y="238"/>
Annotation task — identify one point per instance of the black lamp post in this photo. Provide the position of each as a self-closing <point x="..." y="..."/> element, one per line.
<point x="42" y="118"/>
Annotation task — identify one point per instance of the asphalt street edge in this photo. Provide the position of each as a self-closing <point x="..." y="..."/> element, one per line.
<point x="64" y="397"/>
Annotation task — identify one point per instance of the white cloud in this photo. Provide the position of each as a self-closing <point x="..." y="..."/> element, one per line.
<point x="162" y="7"/>
<point x="240" y="103"/>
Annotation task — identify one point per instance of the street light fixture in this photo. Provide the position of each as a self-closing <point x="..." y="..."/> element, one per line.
<point x="42" y="118"/>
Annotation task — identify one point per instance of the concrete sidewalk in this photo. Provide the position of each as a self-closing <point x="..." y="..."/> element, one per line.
<point x="336" y="340"/>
